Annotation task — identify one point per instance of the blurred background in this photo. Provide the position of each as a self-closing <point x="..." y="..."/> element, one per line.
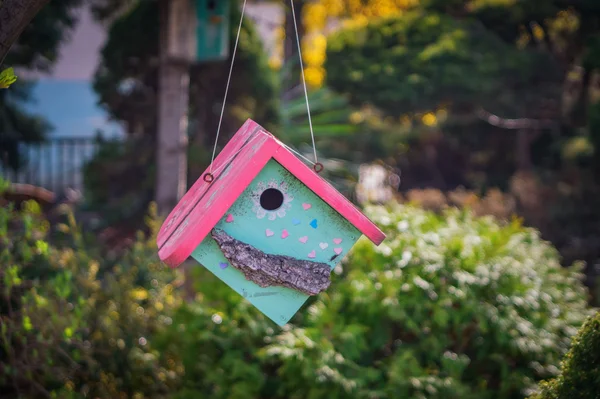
<point x="469" y="130"/>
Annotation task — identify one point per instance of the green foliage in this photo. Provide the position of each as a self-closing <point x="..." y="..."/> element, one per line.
<point x="7" y="77"/>
<point x="449" y="306"/>
<point x="421" y="60"/>
<point x="119" y="180"/>
<point x="77" y="324"/>
<point x="37" y="48"/>
<point x="342" y="144"/>
<point x="580" y="371"/>
<point x="330" y="113"/>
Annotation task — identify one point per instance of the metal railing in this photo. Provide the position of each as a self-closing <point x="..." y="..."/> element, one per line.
<point x="55" y="164"/>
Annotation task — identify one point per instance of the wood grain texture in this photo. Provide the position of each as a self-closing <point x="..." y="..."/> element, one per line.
<point x="267" y="270"/>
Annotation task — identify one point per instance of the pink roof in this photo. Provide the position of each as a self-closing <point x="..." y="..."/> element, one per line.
<point x="235" y="167"/>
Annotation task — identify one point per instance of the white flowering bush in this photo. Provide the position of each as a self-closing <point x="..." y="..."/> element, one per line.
<point x="449" y="306"/>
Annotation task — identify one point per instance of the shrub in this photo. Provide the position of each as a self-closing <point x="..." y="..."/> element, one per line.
<point x="580" y="372"/>
<point x="74" y="324"/>
<point x="449" y="306"/>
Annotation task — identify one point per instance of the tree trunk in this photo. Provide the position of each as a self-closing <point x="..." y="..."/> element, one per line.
<point x="15" y="15"/>
<point x="171" y="174"/>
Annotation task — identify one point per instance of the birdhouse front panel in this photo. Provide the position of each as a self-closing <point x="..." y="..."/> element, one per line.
<point x="277" y="220"/>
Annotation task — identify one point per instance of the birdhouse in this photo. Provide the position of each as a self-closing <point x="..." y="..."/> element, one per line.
<point x="212" y="30"/>
<point x="198" y="30"/>
<point x="264" y="223"/>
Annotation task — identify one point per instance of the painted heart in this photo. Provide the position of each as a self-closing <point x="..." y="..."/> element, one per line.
<point x="313" y="223"/>
<point x="323" y="245"/>
<point x="337" y="241"/>
<point x="306" y="206"/>
<point x="303" y="239"/>
<point x="295" y="222"/>
<point x="223" y="265"/>
<point x="284" y="234"/>
<point x="337" y="250"/>
<point x="229" y="218"/>
<point x="269" y="232"/>
<point x="312" y="254"/>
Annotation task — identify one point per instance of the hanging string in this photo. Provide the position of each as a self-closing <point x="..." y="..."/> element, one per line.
<point x="312" y="135"/>
<point x="318" y="167"/>
<point x="297" y="153"/>
<point x="237" y="39"/>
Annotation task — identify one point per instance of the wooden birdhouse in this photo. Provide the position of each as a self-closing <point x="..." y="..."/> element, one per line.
<point x="198" y="30"/>
<point x="212" y="30"/>
<point x="265" y="223"/>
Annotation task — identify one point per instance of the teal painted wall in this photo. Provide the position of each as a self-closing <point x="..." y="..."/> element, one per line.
<point x="304" y="227"/>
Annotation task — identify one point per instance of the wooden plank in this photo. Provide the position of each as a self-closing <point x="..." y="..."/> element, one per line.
<point x="217" y="198"/>
<point x="200" y="187"/>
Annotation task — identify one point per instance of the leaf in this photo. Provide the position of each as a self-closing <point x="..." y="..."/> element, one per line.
<point x="27" y="323"/>
<point x="7" y="77"/>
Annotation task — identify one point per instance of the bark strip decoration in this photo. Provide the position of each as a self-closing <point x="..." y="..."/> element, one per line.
<point x="268" y="270"/>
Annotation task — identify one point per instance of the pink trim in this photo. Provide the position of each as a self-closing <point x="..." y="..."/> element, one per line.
<point x="194" y="194"/>
<point x="329" y="194"/>
<point x="217" y="200"/>
<point x="237" y="165"/>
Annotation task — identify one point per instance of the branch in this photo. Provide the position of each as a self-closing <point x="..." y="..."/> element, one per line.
<point x="15" y="15"/>
<point x="515" y="124"/>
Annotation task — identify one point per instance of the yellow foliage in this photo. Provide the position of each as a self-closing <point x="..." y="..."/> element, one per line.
<point x="275" y="62"/>
<point x="356" y="117"/>
<point x="315" y="16"/>
<point x="538" y="32"/>
<point x="351" y="13"/>
<point x="314" y="76"/>
<point x="429" y="119"/>
<point x="139" y="294"/>
<point x="313" y="57"/>
<point x="334" y="7"/>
